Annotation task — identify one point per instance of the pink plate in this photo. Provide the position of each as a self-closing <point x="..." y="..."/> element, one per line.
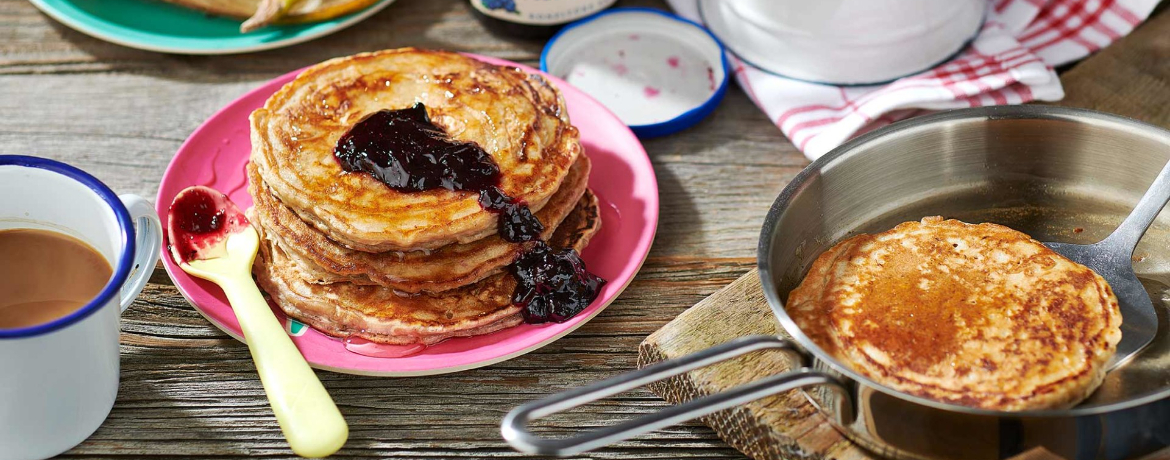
<point x="622" y="178"/>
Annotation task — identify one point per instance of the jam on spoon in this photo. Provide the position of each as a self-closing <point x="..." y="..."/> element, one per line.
<point x="406" y="151"/>
<point x="210" y="238"/>
<point x="199" y="221"/>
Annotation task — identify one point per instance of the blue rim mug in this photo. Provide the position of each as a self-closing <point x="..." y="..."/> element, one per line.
<point x="60" y="378"/>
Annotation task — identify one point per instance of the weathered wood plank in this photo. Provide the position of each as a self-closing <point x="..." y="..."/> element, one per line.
<point x="777" y="427"/>
<point x="1130" y="78"/>
<point x="136" y="107"/>
<point x="716" y="180"/>
<point x="188" y="390"/>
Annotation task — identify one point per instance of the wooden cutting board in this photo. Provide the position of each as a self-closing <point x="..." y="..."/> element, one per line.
<point x="1130" y="78"/>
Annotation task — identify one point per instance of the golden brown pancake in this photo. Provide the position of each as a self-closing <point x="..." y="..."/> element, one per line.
<point x="322" y="260"/>
<point x="302" y="11"/>
<point x="380" y="314"/>
<point x="977" y="315"/>
<point x="517" y="118"/>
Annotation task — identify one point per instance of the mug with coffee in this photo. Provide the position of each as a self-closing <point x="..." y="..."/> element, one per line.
<point x="73" y="256"/>
<point x="46" y="275"/>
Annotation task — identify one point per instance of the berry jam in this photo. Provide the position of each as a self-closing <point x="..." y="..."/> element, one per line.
<point x="517" y="223"/>
<point x="552" y="285"/>
<point x="197" y="214"/>
<point x="408" y="153"/>
<point x="199" y="219"/>
<point x="404" y="150"/>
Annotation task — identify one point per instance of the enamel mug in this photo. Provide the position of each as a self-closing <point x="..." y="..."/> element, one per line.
<point x="58" y="380"/>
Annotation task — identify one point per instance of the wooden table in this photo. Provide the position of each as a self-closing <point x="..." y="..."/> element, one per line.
<point x="188" y="390"/>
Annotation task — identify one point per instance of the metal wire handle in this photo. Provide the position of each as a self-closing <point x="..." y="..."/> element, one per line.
<point x="515" y="425"/>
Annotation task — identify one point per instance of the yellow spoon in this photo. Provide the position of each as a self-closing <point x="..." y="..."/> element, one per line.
<point x="211" y="239"/>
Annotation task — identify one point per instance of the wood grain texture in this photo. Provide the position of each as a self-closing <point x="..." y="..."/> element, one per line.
<point x="190" y="391"/>
<point x="777" y="427"/>
<point x="1130" y="78"/>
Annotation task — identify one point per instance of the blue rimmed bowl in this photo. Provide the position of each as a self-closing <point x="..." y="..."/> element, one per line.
<point x="657" y="72"/>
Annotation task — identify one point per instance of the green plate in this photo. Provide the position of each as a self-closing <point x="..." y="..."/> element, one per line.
<point x="158" y="26"/>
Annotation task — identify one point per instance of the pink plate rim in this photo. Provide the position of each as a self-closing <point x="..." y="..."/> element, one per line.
<point x="622" y="145"/>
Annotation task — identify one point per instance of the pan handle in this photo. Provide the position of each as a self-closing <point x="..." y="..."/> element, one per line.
<point x="515" y="425"/>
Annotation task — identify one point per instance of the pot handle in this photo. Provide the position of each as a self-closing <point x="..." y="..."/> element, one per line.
<point x="515" y="425"/>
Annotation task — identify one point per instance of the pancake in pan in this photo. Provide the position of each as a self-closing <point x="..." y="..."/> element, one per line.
<point x="379" y="314"/>
<point x="977" y="315"/>
<point x="519" y="119"/>
<point x="322" y="260"/>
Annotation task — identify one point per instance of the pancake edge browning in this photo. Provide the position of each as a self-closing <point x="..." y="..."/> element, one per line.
<point x="460" y="219"/>
<point x="839" y="299"/>
<point x="308" y="303"/>
<point x="324" y="261"/>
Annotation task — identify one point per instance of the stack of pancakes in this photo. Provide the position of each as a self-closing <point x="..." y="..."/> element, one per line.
<point x="351" y="256"/>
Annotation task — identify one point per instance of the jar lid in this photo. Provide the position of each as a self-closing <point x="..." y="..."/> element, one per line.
<point x="657" y="72"/>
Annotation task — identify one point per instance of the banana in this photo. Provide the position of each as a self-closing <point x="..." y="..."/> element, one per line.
<point x="266" y="13"/>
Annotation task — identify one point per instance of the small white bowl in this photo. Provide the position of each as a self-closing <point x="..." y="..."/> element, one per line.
<point x="657" y="72"/>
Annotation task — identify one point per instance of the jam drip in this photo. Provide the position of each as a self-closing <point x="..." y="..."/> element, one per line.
<point x="406" y="151"/>
<point x="517" y="223"/>
<point x="552" y="285"/>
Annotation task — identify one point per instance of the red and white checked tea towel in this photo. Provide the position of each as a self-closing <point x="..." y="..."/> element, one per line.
<point x="1009" y="62"/>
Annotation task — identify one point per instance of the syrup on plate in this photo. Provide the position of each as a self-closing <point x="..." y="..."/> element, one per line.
<point x="381" y="350"/>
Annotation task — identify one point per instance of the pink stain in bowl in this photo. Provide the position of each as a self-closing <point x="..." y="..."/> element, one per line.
<point x="672" y="62"/>
<point x="650" y="92"/>
<point x="622" y="177"/>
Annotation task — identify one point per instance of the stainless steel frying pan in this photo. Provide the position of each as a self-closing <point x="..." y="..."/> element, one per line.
<point x="1057" y="174"/>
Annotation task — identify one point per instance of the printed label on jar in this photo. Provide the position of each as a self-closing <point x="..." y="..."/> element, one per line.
<point x="540" y="12"/>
